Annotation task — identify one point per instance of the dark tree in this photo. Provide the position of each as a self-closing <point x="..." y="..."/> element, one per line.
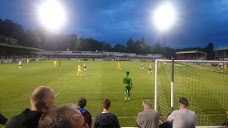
<point x="30" y="38"/>
<point x="137" y="47"/>
<point x="10" y="29"/>
<point x="69" y="42"/>
<point x="106" y="46"/>
<point x="209" y="49"/>
<point x="144" y="47"/>
<point x="119" y="48"/>
<point x="130" y="46"/>
<point x="157" y="48"/>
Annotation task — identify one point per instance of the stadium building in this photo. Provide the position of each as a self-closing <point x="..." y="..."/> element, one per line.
<point x="221" y="53"/>
<point x="11" y="51"/>
<point x="191" y="55"/>
<point x="93" y="55"/>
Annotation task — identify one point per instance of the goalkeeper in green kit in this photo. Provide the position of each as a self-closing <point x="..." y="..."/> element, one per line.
<point x="127" y="86"/>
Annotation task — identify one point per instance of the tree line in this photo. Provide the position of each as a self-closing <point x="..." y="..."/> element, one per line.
<point x="47" y="40"/>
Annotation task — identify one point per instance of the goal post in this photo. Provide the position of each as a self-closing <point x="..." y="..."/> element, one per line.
<point x="203" y="83"/>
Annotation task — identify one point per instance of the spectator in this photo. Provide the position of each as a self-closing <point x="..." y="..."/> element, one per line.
<point x="66" y="116"/>
<point x="87" y="116"/>
<point x="183" y="118"/>
<point x="41" y="100"/>
<point x="226" y="122"/>
<point x="3" y="119"/>
<point x="148" y="118"/>
<point x="106" y="119"/>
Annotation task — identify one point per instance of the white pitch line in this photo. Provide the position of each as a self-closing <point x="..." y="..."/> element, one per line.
<point x="95" y="92"/>
<point x="123" y="117"/>
<point x="127" y="117"/>
<point x="56" y="94"/>
<point x="89" y="92"/>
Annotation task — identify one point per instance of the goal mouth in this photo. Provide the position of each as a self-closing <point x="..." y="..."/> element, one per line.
<point x="202" y="82"/>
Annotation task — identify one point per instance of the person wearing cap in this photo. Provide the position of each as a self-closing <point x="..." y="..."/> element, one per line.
<point x="183" y="118"/>
<point x="87" y="116"/>
<point x="148" y="118"/>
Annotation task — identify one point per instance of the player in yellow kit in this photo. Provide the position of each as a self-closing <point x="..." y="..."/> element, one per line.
<point x="79" y="70"/>
<point x="27" y="61"/>
<point x="118" y="66"/>
<point x="55" y="62"/>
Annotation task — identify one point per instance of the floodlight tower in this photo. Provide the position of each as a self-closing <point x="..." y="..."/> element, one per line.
<point x="164" y="18"/>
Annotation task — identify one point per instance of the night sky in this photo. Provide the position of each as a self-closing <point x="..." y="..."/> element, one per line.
<point x="115" y="21"/>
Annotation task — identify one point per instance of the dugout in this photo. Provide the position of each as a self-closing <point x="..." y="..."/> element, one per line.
<point x="221" y="53"/>
<point x="191" y="55"/>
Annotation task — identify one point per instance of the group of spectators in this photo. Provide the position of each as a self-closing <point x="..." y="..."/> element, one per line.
<point x="43" y="114"/>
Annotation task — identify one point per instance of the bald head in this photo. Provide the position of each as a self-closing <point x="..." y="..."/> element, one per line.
<point x="66" y="116"/>
<point x="42" y="98"/>
<point x="146" y="104"/>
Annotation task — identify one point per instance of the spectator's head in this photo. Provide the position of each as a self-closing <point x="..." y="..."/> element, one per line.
<point x="42" y="99"/>
<point x="82" y="102"/>
<point x="106" y="103"/>
<point x="127" y="73"/>
<point x="66" y="116"/>
<point x="146" y="104"/>
<point x="183" y="102"/>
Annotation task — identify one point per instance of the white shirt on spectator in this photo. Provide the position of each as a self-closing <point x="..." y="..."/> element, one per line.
<point x="183" y="118"/>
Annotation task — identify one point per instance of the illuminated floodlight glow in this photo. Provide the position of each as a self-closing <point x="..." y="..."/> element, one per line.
<point x="164" y="16"/>
<point x="52" y="14"/>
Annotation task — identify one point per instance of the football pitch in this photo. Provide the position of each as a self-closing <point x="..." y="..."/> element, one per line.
<point x="102" y="80"/>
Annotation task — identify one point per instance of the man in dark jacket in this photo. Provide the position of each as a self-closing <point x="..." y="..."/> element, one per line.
<point x="3" y="119"/>
<point x="106" y="119"/>
<point x="41" y="100"/>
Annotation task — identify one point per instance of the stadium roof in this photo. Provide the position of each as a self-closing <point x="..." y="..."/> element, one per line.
<point x="221" y="49"/>
<point x="187" y="52"/>
<point x="19" y="46"/>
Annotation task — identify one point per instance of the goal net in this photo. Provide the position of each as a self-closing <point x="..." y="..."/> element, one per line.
<point x="203" y="83"/>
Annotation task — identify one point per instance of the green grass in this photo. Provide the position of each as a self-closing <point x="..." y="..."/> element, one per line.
<point x="102" y="80"/>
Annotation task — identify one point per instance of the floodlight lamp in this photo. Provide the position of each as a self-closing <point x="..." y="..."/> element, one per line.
<point x="52" y="14"/>
<point x="164" y="17"/>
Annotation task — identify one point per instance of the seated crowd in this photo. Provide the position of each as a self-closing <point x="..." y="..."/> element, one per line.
<point x="43" y="114"/>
